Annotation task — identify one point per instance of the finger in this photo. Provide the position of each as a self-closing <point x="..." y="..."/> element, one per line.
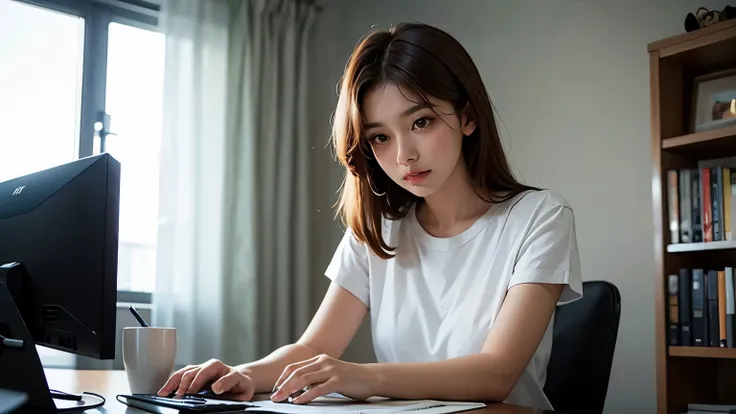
<point x="186" y="380"/>
<point x="236" y="385"/>
<point x="174" y="381"/>
<point x="286" y="373"/>
<point x="289" y="370"/>
<point x="317" y="391"/>
<point x="211" y="370"/>
<point x="292" y="383"/>
<point x="302" y="378"/>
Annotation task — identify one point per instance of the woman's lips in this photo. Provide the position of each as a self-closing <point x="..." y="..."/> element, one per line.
<point x="417" y="177"/>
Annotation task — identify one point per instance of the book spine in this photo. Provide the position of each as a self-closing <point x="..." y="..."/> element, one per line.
<point x="674" y="192"/>
<point x="722" y="307"/>
<point x="685" y="307"/>
<point x="674" y="311"/>
<point x="727" y="215"/>
<point x="699" y="306"/>
<point x="733" y="202"/>
<point x="730" y="309"/>
<point x="713" y="321"/>
<point x="705" y="205"/>
<point x="716" y="202"/>
<point x="696" y="216"/>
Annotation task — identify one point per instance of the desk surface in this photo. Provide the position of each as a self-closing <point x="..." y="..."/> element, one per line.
<point x="111" y="383"/>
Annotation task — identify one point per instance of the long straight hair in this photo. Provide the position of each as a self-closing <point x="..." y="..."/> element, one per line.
<point x="428" y="62"/>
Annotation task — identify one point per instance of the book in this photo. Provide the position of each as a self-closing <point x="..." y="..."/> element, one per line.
<point x="674" y="320"/>
<point x="733" y="203"/>
<point x="675" y="192"/>
<point x="701" y="202"/>
<point x="714" y="339"/>
<point x="706" y="206"/>
<point x="727" y="212"/>
<point x="702" y="308"/>
<point x="686" y="338"/>
<point x="716" y="202"/>
<point x="722" y="307"/>
<point x="730" y="309"/>
<point x="699" y="309"/>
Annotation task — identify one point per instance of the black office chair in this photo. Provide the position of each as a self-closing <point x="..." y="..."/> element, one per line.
<point x="585" y="334"/>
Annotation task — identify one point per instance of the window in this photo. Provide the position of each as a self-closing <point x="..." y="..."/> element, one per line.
<point x="45" y="120"/>
<point x="135" y="69"/>
<point x="78" y="77"/>
<point x="31" y="92"/>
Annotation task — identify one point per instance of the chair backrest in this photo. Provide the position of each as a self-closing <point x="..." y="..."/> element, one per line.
<point x="584" y="334"/>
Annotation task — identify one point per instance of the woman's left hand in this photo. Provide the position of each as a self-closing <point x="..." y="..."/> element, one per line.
<point x="323" y="375"/>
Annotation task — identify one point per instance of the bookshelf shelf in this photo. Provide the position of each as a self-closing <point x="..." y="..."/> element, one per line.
<point x="714" y="143"/>
<point x="702" y="352"/>
<point x="687" y="374"/>
<point x="699" y="247"/>
<point x="697" y="40"/>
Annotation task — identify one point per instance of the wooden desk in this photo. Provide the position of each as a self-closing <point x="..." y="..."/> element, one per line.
<point x="111" y="383"/>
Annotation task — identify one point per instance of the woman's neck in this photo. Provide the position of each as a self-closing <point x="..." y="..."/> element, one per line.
<point x="453" y="207"/>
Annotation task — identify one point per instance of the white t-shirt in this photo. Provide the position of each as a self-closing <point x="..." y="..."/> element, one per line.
<point x="438" y="297"/>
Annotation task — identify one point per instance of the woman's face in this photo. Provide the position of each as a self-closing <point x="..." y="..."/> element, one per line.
<point x="414" y="146"/>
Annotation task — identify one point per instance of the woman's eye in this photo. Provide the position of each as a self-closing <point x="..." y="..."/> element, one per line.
<point x="422" y="122"/>
<point x="380" y="138"/>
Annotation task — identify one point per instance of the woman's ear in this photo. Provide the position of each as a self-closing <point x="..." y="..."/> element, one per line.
<point x="468" y="119"/>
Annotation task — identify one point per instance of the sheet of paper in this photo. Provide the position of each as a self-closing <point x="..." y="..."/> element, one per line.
<point x="338" y="404"/>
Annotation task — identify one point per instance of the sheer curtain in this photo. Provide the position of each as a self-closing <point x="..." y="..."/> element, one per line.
<point x="190" y="279"/>
<point x="233" y="236"/>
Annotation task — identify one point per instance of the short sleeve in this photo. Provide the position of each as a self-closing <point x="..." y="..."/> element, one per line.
<point x="349" y="267"/>
<point x="549" y="251"/>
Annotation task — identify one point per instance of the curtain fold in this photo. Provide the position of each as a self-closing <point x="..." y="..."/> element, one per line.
<point x="234" y="252"/>
<point x="189" y="280"/>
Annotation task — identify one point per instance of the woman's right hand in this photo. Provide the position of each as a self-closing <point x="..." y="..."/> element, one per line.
<point x="224" y="379"/>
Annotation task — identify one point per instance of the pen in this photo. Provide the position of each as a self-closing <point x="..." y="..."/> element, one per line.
<point x="297" y="393"/>
<point x="292" y="397"/>
<point x="138" y="317"/>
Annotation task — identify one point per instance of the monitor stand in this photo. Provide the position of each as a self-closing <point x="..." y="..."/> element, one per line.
<point x="19" y="361"/>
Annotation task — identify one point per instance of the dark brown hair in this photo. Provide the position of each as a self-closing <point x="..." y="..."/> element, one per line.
<point x="428" y="62"/>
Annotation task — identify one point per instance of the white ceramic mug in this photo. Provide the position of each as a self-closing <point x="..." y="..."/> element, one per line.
<point x="148" y="357"/>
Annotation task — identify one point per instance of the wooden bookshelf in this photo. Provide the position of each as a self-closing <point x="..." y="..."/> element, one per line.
<point x="700" y="352"/>
<point x="687" y="374"/>
<point x="708" y="144"/>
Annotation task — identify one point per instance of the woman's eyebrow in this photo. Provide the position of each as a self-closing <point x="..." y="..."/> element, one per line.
<point x="404" y="114"/>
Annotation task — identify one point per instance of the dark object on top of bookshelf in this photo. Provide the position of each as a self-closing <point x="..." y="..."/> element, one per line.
<point x="704" y="17"/>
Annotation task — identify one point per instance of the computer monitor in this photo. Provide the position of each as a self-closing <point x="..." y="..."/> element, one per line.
<point x="58" y="269"/>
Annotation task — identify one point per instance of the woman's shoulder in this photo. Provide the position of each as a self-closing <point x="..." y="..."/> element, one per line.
<point x="544" y="197"/>
<point x="538" y="201"/>
<point x="534" y="208"/>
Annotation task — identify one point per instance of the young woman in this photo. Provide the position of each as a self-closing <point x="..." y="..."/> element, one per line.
<point x="460" y="265"/>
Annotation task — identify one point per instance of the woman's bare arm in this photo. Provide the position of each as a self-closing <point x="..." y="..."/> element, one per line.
<point x="330" y="331"/>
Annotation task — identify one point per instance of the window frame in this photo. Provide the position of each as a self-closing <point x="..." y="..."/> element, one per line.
<point x="98" y="14"/>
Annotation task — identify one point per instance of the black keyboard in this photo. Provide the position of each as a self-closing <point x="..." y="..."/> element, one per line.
<point x="185" y="403"/>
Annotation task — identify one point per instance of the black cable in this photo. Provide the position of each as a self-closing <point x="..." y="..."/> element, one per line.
<point x="60" y="395"/>
<point x="10" y="342"/>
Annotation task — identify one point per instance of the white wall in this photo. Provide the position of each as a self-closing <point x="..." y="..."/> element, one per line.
<point x="570" y="80"/>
